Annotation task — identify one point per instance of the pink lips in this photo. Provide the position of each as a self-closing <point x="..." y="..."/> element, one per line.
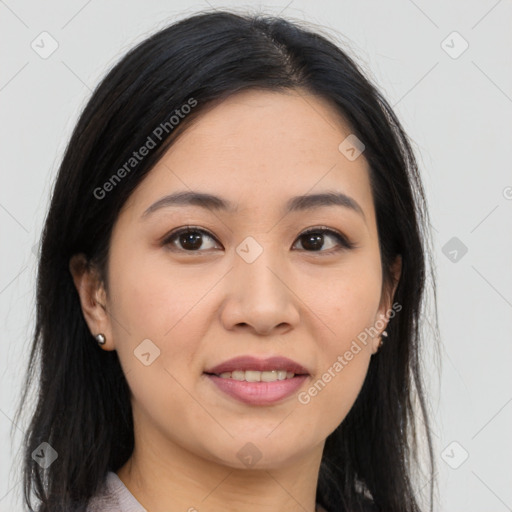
<point x="258" y="393"/>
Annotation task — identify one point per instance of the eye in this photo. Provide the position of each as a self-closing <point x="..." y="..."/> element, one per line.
<point x="189" y="239"/>
<point x="192" y="239"/>
<point x="314" y="239"/>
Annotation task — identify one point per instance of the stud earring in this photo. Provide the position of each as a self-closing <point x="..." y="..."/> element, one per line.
<point x="381" y="342"/>
<point x="100" y="338"/>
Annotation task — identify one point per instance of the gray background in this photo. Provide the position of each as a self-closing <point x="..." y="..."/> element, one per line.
<point x="455" y="105"/>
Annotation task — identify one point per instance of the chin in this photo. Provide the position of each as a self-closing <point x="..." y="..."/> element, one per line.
<point x="262" y="453"/>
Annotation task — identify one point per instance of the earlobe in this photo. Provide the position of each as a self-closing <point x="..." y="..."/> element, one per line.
<point x="92" y="297"/>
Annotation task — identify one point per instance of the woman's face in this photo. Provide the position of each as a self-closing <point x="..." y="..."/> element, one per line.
<point x="247" y="281"/>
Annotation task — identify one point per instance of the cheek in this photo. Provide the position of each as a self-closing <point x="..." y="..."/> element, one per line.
<point x="346" y="310"/>
<point x="342" y="369"/>
<point x="150" y="296"/>
<point x="346" y="302"/>
<point x="156" y="327"/>
<point x="153" y="322"/>
<point x="331" y="395"/>
<point x="165" y="308"/>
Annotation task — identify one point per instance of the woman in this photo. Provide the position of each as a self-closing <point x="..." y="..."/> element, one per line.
<point x="230" y="285"/>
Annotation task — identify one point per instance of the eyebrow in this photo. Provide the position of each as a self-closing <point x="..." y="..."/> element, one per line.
<point x="216" y="203"/>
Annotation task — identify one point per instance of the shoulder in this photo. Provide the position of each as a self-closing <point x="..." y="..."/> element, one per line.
<point x="105" y="500"/>
<point x="114" y="497"/>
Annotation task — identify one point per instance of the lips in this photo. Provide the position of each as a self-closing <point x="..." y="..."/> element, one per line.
<point x="259" y="382"/>
<point x="251" y="363"/>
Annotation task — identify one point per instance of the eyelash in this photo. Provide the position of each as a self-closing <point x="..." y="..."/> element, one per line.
<point x="342" y="240"/>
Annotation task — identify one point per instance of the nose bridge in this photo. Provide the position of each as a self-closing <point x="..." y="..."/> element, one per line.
<point x="258" y="295"/>
<point x="257" y="269"/>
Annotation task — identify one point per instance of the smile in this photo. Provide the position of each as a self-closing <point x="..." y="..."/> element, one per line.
<point x="258" y="381"/>
<point x="257" y="376"/>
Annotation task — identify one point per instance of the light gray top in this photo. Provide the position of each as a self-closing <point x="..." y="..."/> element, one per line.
<point x="115" y="498"/>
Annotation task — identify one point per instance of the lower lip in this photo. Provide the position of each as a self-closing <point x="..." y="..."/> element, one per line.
<point x="258" y="393"/>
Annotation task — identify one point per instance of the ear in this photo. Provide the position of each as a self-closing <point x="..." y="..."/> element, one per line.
<point x="92" y="298"/>
<point x="387" y="299"/>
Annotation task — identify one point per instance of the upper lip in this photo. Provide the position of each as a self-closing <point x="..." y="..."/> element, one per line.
<point x="258" y="364"/>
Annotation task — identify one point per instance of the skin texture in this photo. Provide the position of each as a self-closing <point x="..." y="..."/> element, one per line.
<point x="256" y="149"/>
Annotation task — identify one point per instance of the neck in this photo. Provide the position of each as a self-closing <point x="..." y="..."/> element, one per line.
<point x="178" y="480"/>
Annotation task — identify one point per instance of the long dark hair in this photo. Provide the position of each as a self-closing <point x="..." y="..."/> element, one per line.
<point x="83" y="408"/>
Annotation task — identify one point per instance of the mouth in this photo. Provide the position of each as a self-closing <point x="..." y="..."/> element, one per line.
<point x="258" y="381"/>
<point x="255" y="375"/>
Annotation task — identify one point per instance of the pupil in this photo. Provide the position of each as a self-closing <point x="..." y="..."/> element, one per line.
<point x="193" y="238"/>
<point x="313" y="241"/>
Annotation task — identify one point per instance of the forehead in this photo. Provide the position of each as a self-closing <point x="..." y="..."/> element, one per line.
<point x="260" y="147"/>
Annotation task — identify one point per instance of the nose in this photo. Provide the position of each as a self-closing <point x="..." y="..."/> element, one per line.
<point x="260" y="298"/>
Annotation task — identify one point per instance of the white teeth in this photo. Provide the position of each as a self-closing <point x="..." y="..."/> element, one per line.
<point x="256" y="376"/>
<point x="269" y="376"/>
<point x="251" y="376"/>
